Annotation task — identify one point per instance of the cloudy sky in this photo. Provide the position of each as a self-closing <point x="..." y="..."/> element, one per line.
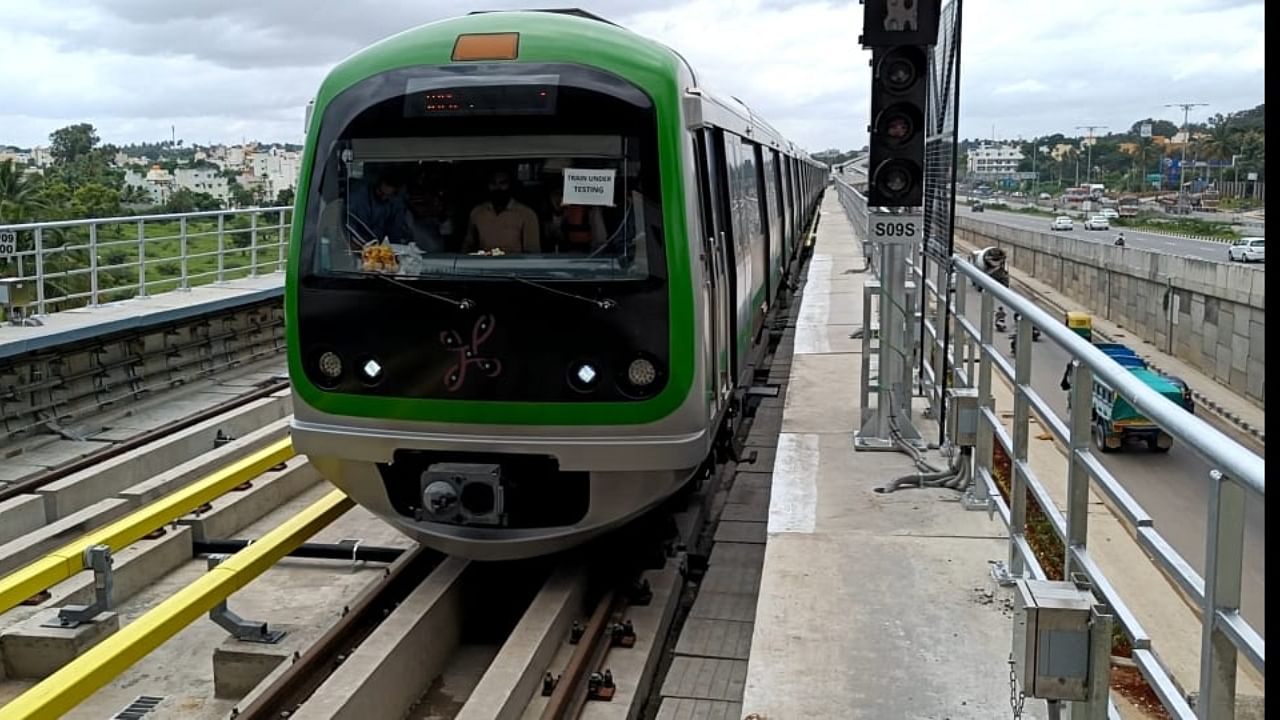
<point x="223" y="70"/>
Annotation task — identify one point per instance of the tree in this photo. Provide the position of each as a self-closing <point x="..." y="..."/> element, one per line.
<point x="1163" y="128"/>
<point x="285" y="197"/>
<point x="95" y="200"/>
<point x="184" y="200"/>
<point x="240" y="195"/>
<point x="19" y="198"/>
<point x="72" y="142"/>
<point x="135" y="195"/>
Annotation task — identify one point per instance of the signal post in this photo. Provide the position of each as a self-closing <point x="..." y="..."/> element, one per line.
<point x="899" y="35"/>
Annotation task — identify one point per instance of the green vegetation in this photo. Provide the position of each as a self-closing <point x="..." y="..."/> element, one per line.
<point x="1121" y="160"/>
<point x="1186" y="226"/>
<point x="244" y="241"/>
<point x="82" y="183"/>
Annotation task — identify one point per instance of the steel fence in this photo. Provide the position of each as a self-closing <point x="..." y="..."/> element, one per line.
<point x="973" y="359"/>
<point x="74" y="263"/>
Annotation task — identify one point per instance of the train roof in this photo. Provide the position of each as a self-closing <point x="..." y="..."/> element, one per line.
<point x="561" y="35"/>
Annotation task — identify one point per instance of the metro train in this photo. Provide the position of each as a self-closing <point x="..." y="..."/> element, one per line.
<point x="529" y="275"/>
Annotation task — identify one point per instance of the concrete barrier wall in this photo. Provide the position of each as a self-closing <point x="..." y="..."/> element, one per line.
<point x="1217" y="321"/>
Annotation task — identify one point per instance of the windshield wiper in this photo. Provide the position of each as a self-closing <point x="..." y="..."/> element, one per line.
<point x="603" y="304"/>
<point x="463" y="304"/>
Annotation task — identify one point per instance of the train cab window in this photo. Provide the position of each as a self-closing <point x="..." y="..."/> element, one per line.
<point x="539" y="172"/>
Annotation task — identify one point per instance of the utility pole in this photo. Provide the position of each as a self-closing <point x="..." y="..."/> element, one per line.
<point x="1186" y="140"/>
<point x="1088" y="170"/>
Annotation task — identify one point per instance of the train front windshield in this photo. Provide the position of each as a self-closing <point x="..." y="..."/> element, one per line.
<point x="533" y="172"/>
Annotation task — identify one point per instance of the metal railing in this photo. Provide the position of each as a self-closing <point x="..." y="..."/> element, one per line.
<point x="1237" y="480"/>
<point x="74" y="263"/>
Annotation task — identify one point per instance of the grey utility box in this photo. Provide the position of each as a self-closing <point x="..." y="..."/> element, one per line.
<point x="962" y="416"/>
<point x="1051" y="639"/>
<point x="15" y="291"/>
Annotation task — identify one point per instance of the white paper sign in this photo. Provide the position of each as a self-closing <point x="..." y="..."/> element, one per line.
<point x="588" y="187"/>
<point x="8" y="243"/>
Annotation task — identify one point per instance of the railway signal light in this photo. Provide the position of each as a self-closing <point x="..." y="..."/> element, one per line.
<point x="898" y="83"/>
<point x="899" y="33"/>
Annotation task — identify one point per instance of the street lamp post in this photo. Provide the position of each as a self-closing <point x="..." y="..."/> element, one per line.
<point x="1088" y="170"/>
<point x="1186" y="140"/>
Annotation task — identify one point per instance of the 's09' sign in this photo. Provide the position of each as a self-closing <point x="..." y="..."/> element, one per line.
<point x="895" y="230"/>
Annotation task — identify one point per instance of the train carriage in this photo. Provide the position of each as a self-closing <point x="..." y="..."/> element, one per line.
<point x="530" y="276"/>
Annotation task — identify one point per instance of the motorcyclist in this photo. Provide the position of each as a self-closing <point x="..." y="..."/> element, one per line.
<point x="1119" y="240"/>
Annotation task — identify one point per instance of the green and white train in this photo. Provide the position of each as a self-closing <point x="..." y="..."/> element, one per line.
<point x="529" y="276"/>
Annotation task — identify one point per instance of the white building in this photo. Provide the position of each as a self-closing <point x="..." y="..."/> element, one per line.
<point x="157" y="182"/>
<point x="41" y="157"/>
<point x="203" y="180"/>
<point x="18" y="157"/>
<point x="997" y="160"/>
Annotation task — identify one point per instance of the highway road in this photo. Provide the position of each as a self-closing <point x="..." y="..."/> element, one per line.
<point x="1172" y="487"/>
<point x="1202" y="249"/>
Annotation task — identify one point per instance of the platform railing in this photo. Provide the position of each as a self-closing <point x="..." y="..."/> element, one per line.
<point x="74" y="263"/>
<point x="1238" y="479"/>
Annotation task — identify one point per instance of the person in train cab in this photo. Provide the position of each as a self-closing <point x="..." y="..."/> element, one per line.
<point x="573" y="228"/>
<point x="429" y="225"/>
<point x="501" y="222"/>
<point x="377" y="209"/>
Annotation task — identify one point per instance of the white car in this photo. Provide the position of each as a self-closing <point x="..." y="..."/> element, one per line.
<point x="1097" y="222"/>
<point x="1110" y="213"/>
<point x="1062" y="222"/>
<point x="1248" y="249"/>
<point x="1045" y="196"/>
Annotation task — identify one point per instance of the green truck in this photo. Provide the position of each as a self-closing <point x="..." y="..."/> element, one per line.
<point x="1115" y="421"/>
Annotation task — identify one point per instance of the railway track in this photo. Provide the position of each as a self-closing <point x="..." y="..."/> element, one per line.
<point x="33" y="483"/>
<point x="577" y="635"/>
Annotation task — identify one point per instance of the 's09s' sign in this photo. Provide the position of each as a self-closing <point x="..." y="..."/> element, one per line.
<point x="894" y="229"/>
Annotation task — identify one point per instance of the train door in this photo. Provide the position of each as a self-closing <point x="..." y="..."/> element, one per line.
<point x="762" y="173"/>
<point x="717" y="262"/>
<point x="746" y="242"/>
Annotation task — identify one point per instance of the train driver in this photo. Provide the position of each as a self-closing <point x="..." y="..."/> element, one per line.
<point x="378" y="210"/>
<point x="502" y="222"/>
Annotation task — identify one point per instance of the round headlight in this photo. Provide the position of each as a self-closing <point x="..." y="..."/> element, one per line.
<point x="372" y="370"/>
<point x="586" y="374"/>
<point x="331" y="365"/>
<point x="641" y="372"/>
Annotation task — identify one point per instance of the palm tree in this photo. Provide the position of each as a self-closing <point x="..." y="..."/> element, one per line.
<point x="18" y="197"/>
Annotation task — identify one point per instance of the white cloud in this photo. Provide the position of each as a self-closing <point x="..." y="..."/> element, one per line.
<point x="219" y="70"/>
<point x="1022" y="87"/>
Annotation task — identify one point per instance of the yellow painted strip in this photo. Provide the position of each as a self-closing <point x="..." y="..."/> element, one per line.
<point x="69" y="559"/>
<point x="82" y="677"/>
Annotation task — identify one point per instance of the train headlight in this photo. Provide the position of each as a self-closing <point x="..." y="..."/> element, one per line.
<point x="330" y="365"/>
<point x="371" y="369"/>
<point x="583" y="376"/>
<point x="641" y="372"/>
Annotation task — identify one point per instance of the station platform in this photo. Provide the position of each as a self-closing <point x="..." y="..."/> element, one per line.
<point x="74" y="326"/>
<point x="870" y="605"/>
